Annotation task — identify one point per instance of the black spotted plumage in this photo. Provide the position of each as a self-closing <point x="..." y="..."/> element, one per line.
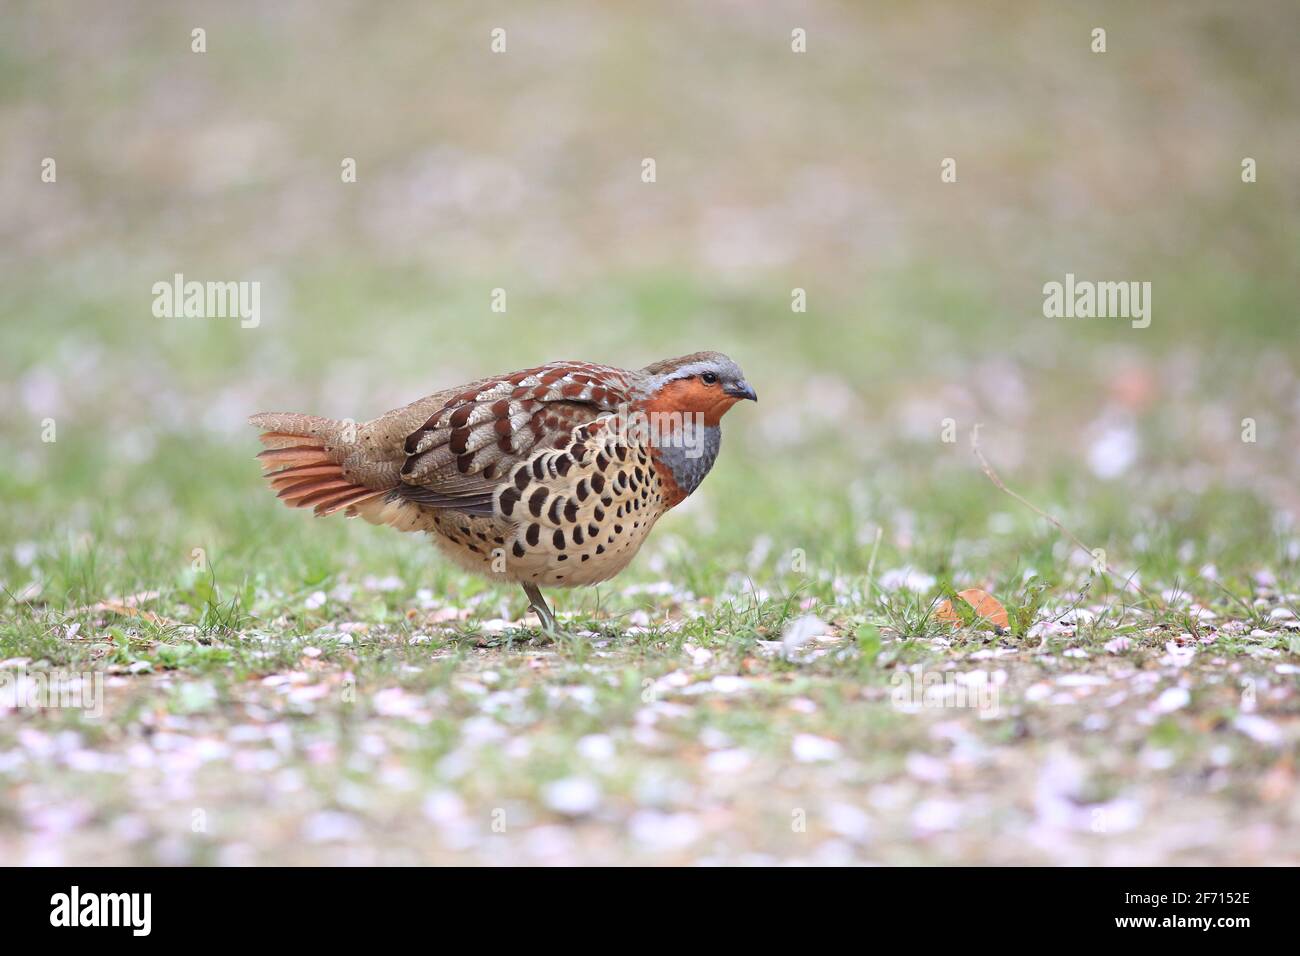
<point x="522" y="477"/>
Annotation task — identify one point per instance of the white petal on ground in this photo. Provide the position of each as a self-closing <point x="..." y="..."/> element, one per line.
<point x="848" y="821"/>
<point x="572" y="796"/>
<point x="908" y="578"/>
<point x="800" y="631"/>
<point x="808" y="748"/>
<point x="728" y="761"/>
<point x="596" y="747"/>
<point x="330" y="826"/>
<point x="1174" y="698"/>
<point x="934" y="816"/>
<point x="926" y="768"/>
<point x="1114" y="451"/>
<point x="1258" y="729"/>
<point x="444" y="808"/>
<point x="664" y="831"/>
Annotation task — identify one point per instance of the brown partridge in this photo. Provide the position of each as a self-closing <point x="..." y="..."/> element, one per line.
<point x="548" y="477"/>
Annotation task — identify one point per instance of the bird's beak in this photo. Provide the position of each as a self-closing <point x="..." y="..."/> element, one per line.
<point x="741" y="389"/>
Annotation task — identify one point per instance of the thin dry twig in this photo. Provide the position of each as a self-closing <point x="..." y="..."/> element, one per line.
<point x="127" y="607"/>
<point x="1092" y="553"/>
<point x="127" y="611"/>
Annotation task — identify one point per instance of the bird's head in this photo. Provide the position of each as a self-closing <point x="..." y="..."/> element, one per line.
<point x="705" y="383"/>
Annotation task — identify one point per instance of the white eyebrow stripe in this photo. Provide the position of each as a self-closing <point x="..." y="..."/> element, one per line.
<point x="695" y="368"/>
<point x="722" y="368"/>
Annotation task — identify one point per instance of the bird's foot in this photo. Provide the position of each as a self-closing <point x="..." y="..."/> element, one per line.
<point x="547" y="620"/>
<point x="537" y="604"/>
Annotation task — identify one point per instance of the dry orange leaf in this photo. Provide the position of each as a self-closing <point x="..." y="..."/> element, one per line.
<point x="986" y="606"/>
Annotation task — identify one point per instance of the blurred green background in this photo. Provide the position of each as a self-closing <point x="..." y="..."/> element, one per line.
<point x="775" y="171"/>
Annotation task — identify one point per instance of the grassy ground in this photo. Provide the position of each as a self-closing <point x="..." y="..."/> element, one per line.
<point x="769" y="681"/>
<point x="327" y="693"/>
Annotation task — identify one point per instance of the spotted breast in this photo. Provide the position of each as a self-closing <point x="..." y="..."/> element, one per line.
<point x="571" y="515"/>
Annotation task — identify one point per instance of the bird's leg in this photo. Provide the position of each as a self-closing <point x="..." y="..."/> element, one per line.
<point x="537" y="604"/>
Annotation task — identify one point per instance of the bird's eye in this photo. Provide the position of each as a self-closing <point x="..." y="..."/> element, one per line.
<point x="709" y="378"/>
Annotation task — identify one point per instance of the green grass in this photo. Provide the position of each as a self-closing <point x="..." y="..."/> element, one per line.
<point x="403" y="692"/>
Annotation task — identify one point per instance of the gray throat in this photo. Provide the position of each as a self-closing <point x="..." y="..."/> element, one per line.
<point x="690" y="461"/>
